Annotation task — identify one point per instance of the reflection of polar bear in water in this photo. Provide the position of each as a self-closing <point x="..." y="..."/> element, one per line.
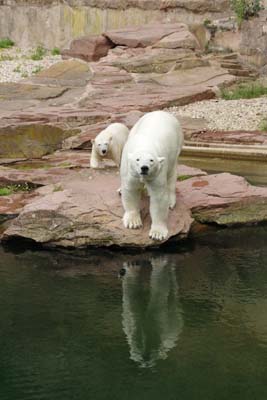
<point x="109" y="144"/>
<point x="152" y="315"/>
<point x="149" y="158"/>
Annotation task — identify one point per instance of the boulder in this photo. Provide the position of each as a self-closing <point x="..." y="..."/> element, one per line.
<point x="31" y="140"/>
<point x="181" y="39"/>
<point x="68" y="73"/>
<point x="224" y="199"/>
<point x="88" y="212"/>
<point x="88" y="48"/>
<point x="144" y="36"/>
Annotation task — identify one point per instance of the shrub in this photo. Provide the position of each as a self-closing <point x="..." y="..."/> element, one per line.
<point x="263" y="125"/>
<point x="5" y="43"/>
<point x="55" y="51"/>
<point x="38" y="53"/>
<point x="246" y="8"/>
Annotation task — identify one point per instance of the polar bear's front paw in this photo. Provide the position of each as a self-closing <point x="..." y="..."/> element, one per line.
<point x="94" y="164"/>
<point x="172" y="201"/>
<point x="158" y="232"/>
<point x="132" y="220"/>
<point x="119" y="191"/>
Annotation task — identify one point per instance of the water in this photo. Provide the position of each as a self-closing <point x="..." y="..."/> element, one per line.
<point x="187" y="324"/>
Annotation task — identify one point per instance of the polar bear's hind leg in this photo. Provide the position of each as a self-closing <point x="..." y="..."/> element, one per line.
<point x="172" y="188"/>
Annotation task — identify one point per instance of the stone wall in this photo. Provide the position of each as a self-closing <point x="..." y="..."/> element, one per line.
<point x="253" y="45"/>
<point x="56" y="22"/>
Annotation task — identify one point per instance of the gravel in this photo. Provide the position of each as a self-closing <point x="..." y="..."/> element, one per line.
<point x="16" y="64"/>
<point x="227" y="115"/>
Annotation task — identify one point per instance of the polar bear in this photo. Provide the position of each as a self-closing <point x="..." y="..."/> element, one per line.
<point x="149" y="159"/>
<point x="109" y="144"/>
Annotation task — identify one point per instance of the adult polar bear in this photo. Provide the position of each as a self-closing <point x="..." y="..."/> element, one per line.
<point x="149" y="158"/>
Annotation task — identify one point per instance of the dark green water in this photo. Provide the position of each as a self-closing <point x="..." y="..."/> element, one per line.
<point x="184" y="325"/>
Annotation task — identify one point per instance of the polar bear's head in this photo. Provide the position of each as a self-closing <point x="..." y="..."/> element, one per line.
<point x="102" y="143"/>
<point x="145" y="164"/>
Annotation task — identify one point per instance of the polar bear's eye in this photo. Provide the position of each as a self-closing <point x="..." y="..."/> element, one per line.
<point x="137" y="159"/>
<point x="151" y="160"/>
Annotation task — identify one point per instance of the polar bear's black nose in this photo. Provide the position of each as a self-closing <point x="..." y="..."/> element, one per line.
<point x="104" y="151"/>
<point x="144" y="169"/>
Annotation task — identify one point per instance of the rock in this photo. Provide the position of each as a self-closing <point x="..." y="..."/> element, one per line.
<point x="31" y="141"/>
<point x="10" y="206"/>
<point x="23" y="91"/>
<point x="188" y="172"/>
<point x="85" y="212"/>
<point x="88" y="48"/>
<point x="253" y="44"/>
<point x="224" y="199"/>
<point x="159" y="61"/>
<point x="182" y="39"/>
<point x="231" y="137"/>
<point x="68" y="73"/>
<point x="144" y="36"/>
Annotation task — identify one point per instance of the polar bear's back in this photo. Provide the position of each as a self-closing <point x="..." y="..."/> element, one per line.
<point x="159" y="128"/>
<point x="115" y="130"/>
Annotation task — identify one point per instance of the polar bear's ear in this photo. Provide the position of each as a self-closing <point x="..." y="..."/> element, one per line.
<point x="161" y="160"/>
<point x="92" y="141"/>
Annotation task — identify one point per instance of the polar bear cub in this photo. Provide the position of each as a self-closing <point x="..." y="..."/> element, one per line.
<point x="109" y="144"/>
<point x="149" y="159"/>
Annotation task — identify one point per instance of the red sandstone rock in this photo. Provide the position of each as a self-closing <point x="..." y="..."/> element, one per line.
<point x="88" y="48"/>
<point x="181" y="39"/>
<point x="144" y="36"/>
<point x="88" y="211"/>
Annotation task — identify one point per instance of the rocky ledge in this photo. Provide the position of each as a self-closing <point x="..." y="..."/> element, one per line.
<point x="83" y="207"/>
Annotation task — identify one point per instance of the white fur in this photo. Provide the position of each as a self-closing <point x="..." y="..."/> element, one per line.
<point x="109" y="144"/>
<point x="154" y="142"/>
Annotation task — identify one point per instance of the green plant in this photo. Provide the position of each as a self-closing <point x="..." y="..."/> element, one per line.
<point x="55" y="51"/>
<point x="57" y="188"/>
<point x="263" y="125"/>
<point x="24" y="74"/>
<point x="37" y="69"/>
<point x="248" y="91"/>
<point x="245" y="9"/>
<point x="17" y="69"/>
<point x="6" y="57"/>
<point x="11" y="189"/>
<point x="38" y="53"/>
<point x="183" y="177"/>
<point x="207" y="22"/>
<point x="5" y="43"/>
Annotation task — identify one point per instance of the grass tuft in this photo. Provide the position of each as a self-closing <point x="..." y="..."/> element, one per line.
<point x="263" y="125"/>
<point x="11" y="189"/>
<point x="6" y="43"/>
<point x="38" y="53"/>
<point x="249" y="91"/>
<point x="55" y="51"/>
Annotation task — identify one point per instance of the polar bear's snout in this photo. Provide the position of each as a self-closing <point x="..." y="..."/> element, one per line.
<point x="103" y="148"/>
<point x="144" y="170"/>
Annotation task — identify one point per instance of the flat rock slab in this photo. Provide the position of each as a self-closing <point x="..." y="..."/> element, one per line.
<point x="224" y="199"/>
<point x="27" y="91"/>
<point x="144" y="36"/>
<point x="88" y="212"/>
<point x="68" y="73"/>
<point x="31" y="140"/>
<point x="231" y="137"/>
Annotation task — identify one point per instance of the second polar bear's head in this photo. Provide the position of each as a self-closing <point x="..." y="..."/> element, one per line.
<point x="102" y="142"/>
<point x="145" y="164"/>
